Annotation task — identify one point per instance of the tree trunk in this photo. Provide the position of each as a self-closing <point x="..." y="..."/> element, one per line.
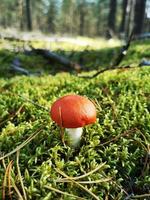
<point x="112" y="18"/>
<point x="82" y="19"/>
<point x="81" y="24"/>
<point x="139" y="16"/>
<point x="28" y="14"/>
<point x="130" y="18"/>
<point x="124" y="11"/>
<point x="98" y="21"/>
<point x="20" y="14"/>
<point x="51" y="16"/>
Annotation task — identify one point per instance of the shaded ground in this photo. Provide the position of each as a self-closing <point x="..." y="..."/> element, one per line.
<point x="89" y="58"/>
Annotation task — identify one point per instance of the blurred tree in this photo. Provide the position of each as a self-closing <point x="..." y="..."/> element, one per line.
<point x="67" y="18"/>
<point x="52" y="16"/>
<point x="8" y="13"/>
<point x="28" y="15"/>
<point x="123" y="17"/>
<point x="39" y="14"/>
<point x="139" y="13"/>
<point x="75" y="17"/>
<point x="111" y="18"/>
<point x="129" y="18"/>
<point x="20" y="14"/>
<point x="82" y="14"/>
<point x="98" y="16"/>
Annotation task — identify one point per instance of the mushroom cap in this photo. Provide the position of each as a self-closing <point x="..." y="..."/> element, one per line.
<point x="73" y="111"/>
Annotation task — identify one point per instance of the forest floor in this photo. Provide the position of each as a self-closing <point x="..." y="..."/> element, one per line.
<point x="112" y="161"/>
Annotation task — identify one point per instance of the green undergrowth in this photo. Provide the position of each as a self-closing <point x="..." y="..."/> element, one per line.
<point x="116" y="147"/>
<point x="89" y="57"/>
<point x="119" y="139"/>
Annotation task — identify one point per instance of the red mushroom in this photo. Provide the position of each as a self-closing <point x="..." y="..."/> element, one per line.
<point x="73" y="112"/>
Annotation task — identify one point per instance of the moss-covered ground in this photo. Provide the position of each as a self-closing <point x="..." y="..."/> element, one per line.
<point x="114" y="154"/>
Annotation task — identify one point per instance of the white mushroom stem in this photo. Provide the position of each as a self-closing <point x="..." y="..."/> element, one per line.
<point x="74" y="135"/>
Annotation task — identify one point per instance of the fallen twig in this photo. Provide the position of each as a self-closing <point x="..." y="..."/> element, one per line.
<point x="16" y="66"/>
<point x="51" y="56"/>
<point x="142" y="196"/>
<point x="117" y="61"/>
<point x="106" y="69"/>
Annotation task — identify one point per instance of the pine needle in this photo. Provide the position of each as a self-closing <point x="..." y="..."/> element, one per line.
<point x="9" y="179"/>
<point x="78" y="184"/>
<point x="87" y="174"/>
<point x="64" y="193"/>
<point x="5" y="179"/>
<point x="22" y="144"/>
<point x="20" y="177"/>
<point x="87" y="182"/>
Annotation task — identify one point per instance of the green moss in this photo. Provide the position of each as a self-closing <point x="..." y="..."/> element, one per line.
<point x="120" y="137"/>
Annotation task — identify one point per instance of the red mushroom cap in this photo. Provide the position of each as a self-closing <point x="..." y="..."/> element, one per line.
<point x="73" y="111"/>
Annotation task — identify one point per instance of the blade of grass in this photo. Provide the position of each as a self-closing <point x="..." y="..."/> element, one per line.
<point x="20" y="177"/>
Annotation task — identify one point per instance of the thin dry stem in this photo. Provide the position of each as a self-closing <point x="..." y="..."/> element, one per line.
<point x="16" y="189"/>
<point x="61" y="192"/>
<point x="87" y="174"/>
<point x="20" y="177"/>
<point x="9" y="179"/>
<point x="119" y="136"/>
<point x="5" y="179"/>
<point x="23" y="144"/>
<point x="78" y="184"/>
<point x="142" y="196"/>
<point x="13" y="115"/>
<point x="87" y="182"/>
<point x="4" y="183"/>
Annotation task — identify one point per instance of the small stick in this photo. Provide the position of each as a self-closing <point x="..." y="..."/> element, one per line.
<point x="117" y="60"/>
<point x="142" y="196"/>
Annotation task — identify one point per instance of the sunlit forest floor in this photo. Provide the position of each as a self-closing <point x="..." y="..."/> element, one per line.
<point x="112" y="161"/>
